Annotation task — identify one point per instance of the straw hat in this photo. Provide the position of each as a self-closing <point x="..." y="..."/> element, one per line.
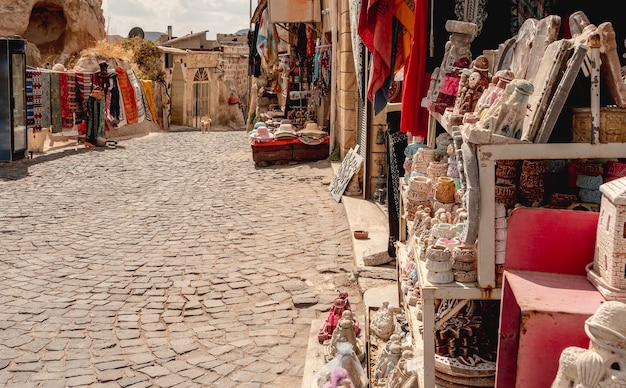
<point x="262" y="134"/>
<point x="312" y="128"/>
<point x="285" y="131"/>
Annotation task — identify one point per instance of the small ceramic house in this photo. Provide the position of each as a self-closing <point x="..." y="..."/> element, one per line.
<point x="609" y="263"/>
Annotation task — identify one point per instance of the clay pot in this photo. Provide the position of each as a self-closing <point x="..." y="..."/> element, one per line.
<point x="440" y="277"/>
<point x="529" y="181"/>
<point x="535" y="167"/>
<point x="506" y="172"/>
<point x="437" y="169"/>
<point x="465" y="254"/>
<point x="443" y="230"/>
<point x="445" y="189"/>
<point x="506" y="194"/>
<point x="465" y="276"/>
<point x="438" y="266"/>
<point x="437" y="253"/>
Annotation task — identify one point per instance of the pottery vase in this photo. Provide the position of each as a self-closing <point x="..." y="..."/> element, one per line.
<point x="445" y="189"/>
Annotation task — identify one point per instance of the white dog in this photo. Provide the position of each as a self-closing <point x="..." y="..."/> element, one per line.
<point x="205" y="124"/>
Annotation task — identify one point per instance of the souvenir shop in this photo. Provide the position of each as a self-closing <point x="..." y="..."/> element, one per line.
<point x="290" y="65"/>
<point x="84" y="105"/>
<point x="511" y="191"/>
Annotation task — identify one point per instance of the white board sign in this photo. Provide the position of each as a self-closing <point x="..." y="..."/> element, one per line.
<point x="350" y="164"/>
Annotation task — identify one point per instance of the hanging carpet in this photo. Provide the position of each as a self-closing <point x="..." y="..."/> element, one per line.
<point x="128" y="96"/>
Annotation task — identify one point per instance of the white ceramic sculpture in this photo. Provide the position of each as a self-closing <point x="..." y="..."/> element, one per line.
<point x="382" y="323"/>
<point x="603" y="365"/>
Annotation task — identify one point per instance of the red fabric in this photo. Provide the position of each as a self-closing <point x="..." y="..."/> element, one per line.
<point x="414" y="118"/>
<point x="375" y="29"/>
<point x="274" y="143"/>
<point x="128" y="96"/>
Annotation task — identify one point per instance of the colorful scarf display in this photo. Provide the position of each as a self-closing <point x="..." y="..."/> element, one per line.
<point x="267" y="41"/>
<point x="128" y="96"/>
<point x="148" y="89"/>
<point x="138" y="92"/>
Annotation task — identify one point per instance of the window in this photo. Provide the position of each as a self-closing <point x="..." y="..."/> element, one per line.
<point x="169" y="61"/>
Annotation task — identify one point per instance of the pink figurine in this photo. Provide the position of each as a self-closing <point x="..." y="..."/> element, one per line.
<point x="340" y="305"/>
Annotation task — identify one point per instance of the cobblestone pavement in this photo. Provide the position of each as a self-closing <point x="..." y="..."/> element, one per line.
<point x="169" y="261"/>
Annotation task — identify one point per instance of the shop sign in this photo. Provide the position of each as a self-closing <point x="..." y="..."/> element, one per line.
<point x="350" y="164"/>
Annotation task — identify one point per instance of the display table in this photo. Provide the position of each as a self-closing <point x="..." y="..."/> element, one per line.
<point x="288" y="150"/>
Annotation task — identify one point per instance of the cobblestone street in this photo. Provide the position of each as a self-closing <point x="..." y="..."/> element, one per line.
<point x="169" y="261"/>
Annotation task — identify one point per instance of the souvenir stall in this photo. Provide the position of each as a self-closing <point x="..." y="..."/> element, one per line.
<point x="291" y="70"/>
<point x="516" y="137"/>
<point x="85" y="105"/>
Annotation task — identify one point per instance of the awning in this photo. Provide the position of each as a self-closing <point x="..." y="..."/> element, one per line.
<point x="294" y="11"/>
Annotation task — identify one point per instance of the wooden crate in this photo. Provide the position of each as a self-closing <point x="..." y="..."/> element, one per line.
<point x="303" y="151"/>
<point x="272" y="153"/>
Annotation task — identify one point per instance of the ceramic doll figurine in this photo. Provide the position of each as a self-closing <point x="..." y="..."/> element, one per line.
<point x="344" y="332"/>
<point x="498" y="83"/>
<point x="340" y="305"/>
<point x="477" y="82"/>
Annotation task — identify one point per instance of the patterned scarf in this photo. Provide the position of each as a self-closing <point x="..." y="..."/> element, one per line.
<point x="141" y="112"/>
<point x="128" y="96"/>
<point x="148" y="89"/>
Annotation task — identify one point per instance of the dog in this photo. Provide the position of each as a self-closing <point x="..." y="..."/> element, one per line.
<point x="205" y="124"/>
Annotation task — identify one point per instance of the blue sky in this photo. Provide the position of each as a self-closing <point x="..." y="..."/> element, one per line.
<point x="185" y="16"/>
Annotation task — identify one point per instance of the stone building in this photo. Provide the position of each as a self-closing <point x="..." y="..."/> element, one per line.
<point x="610" y="257"/>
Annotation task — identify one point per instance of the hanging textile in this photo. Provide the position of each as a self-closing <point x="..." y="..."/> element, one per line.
<point x="254" y="59"/>
<point x="148" y="89"/>
<point x="396" y="144"/>
<point x="55" y="102"/>
<point x="267" y="41"/>
<point x="128" y="96"/>
<point x="381" y="96"/>
<point x="30" y="115"/>
<point x="67" y="88"/>
<point x="376" y="31"/>
<point x="94" y="117"/>
<point x="113" y="101"/>
<point x="357" y="48"/>
<point x="414" y="119"/>
<point x="46" y="119"/>
<point x="37" y="100"/>
<point x="403" y="12"/>
<point x="138" y="91"/>
<point x="83" y="89"/>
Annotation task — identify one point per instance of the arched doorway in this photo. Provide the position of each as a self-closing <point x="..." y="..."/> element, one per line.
<point x="201" y="88"/>
<point x="178" y="95"/>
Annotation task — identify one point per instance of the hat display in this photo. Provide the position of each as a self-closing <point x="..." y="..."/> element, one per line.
<point x="259" y="124"/>
<point x="285" y="131"/>
<point x="312" y="129"/>
<point x="262" y="134"/>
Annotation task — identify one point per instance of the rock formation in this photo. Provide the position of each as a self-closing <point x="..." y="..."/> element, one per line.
<point x="58" y="28"/>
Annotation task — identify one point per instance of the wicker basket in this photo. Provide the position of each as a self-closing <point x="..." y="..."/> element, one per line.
<point x="612" y="125"/>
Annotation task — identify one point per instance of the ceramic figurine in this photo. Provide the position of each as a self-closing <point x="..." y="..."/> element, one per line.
<point x="344" y="332"/>
<point x="382" y="323"/>
<point x="603" y="365"/>
<point x="401" y="376"/>
<point x="340" y="305"/>
<point x="477" y="83"/>
<point x="388" y="357"/>
<point x="510" y="119"/>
